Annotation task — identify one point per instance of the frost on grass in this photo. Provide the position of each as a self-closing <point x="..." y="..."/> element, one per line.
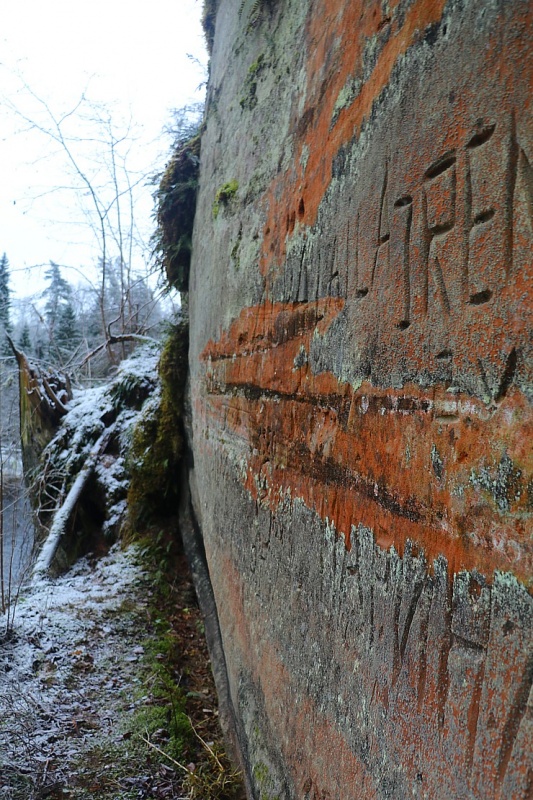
<point x="67" y="649"/>
<point x="69" y="670"/>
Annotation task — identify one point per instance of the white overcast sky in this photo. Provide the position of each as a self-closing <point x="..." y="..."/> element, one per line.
<point x="133" y="56"/>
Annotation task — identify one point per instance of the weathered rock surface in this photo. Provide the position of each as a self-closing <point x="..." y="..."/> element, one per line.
<point x="361" y="393"/>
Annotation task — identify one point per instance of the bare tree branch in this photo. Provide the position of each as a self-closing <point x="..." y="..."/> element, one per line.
<point x="123" y="337"/>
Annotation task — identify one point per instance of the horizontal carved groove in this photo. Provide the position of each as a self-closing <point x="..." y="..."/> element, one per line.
<point x="484" y="216"/>
<point x="254" y="393"/>
<point x="481" y="137"/>
<point x="440" y="166"/>
<point x="444" y="354"/>
<point x="335" y="402"/>
<point x="330" y="472"/>
<point x="438" y="230"/>
<point x="406" y="200"/>
<point x="413" y="404"/>
<point x="301" y="320"/>
<point x="480" y="297"/>
<point x="466" y="644"/>
<point x="403" y="325"/>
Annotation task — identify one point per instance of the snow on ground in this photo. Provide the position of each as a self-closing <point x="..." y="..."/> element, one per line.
<point x="66" y="669"/>
<point x="70" y="668"/>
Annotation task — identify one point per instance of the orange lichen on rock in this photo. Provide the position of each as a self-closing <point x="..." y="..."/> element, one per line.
<point x="340" y="34"/>
<point x="441" y="469"/>
<point x="360" y="387"/>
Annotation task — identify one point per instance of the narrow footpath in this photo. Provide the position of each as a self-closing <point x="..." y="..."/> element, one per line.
<point x="104" y="694"/>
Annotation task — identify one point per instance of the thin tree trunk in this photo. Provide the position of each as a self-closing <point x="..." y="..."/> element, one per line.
<point x="63" y="514"/>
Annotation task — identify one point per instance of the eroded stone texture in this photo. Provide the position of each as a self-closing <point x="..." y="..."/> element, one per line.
<point x="361" y="393"/>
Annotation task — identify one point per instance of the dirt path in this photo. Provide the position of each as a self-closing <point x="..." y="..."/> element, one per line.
<point x="79" y="705"/>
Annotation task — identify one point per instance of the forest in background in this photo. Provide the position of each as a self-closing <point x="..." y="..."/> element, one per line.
<point x="78" y="331"/>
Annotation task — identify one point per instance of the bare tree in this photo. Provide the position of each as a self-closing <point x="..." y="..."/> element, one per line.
<point x="97" y="155"/>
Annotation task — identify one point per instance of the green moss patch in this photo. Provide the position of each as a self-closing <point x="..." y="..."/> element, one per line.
<point x="224" y="196"/>
<point x="157" y="443"/>
<point x="249" y="98"/>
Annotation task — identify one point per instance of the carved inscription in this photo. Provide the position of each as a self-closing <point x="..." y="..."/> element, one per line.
<point x="439" y="218"/>
<point x="449" y="242"/>
<point x="402" y="220"/>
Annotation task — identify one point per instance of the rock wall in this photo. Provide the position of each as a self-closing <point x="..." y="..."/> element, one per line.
<point x="360" y="403"/>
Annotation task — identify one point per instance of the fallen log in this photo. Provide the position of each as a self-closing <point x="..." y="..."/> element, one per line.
<point x="64" y="513"/>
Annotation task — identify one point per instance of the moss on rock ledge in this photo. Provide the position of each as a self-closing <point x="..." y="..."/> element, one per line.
<point x="157" y="444"/>
<point x="176" y="207"/>
<point x="209" y="14"/>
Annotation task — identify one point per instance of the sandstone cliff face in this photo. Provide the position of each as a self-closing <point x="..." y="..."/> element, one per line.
<point x="360" y="393"/>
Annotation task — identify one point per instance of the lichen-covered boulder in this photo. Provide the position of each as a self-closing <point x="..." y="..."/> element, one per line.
<point x="360" y="399"/>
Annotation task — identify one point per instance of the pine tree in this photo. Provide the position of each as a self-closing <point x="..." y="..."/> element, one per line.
<point x="5" y="302"/>
<point x="24" y="342"/>
<point x="68" y="334"/>
<point x="58" y="296"/>
<point x="57" y="293"/>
